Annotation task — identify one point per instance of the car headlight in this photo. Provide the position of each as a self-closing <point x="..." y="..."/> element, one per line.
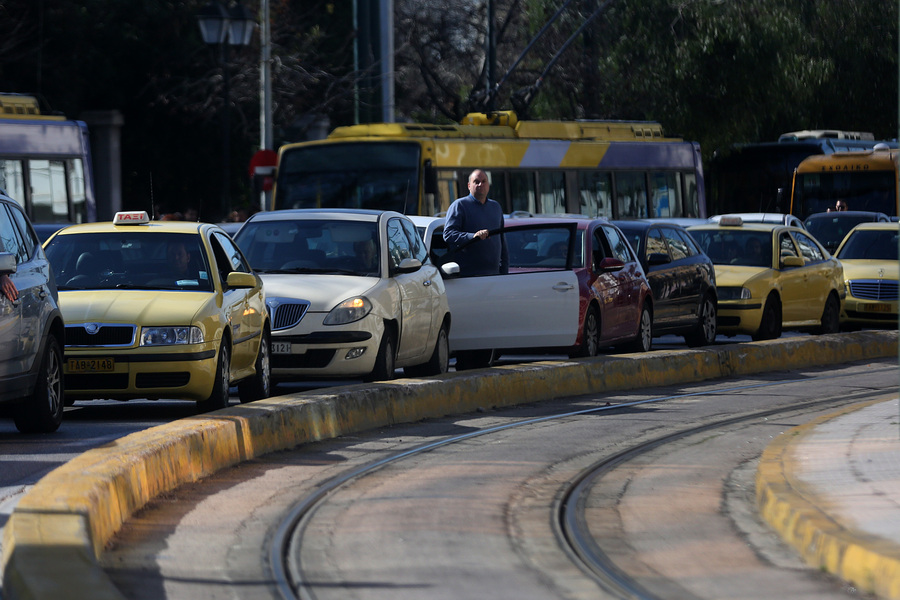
<point x="733" y="293"/>
<point x="348" y="311"/>
<point x="170" y="336"/>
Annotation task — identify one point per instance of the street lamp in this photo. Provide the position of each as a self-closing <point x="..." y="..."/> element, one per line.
<point x="223" y="27"/>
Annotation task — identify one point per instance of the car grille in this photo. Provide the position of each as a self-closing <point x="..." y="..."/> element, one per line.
<point x="106" y="335"/>
<point x="162" y="380"/>
<point x="114" y="381"/>
<point x="874" y="289"/>
<point x="288" y="314"/>
<point x="313" y="359"/>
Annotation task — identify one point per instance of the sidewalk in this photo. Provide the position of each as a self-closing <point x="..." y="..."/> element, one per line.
<point x="831" y="488"/>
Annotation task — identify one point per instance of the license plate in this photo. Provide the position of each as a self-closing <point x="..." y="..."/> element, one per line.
<point x="91" y="365"/>
<point x="879" y="307"/>
<point x="281" y="347"/>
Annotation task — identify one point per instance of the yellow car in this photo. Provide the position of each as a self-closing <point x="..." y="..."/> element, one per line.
<point x="869" y="257"/>
<point x="771" y="277"/>
<point x="159" y="310"/>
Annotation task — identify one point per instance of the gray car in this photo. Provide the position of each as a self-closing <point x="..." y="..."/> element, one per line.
<point x="31" y="328"/>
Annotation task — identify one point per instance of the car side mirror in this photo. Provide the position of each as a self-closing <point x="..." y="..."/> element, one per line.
<point x="7" y="263"/>
<point x="409" y="265"/>
<point x="658" y="258"/>
<point x="610" y="264"/>
<point x="450" y="268"/>
<point x="236" y="279"/>
<point x="790" y="262"/>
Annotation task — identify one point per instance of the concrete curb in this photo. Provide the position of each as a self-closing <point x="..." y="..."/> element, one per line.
<point x="870" y="563"/>
<point x="57" y="531"/>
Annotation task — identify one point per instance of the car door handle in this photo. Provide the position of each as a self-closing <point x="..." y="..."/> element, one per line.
<point x="563" y="287"/>
<point x="426" y="283"/>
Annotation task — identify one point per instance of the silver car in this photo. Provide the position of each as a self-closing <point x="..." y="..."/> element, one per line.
<point x="31" y="328"/>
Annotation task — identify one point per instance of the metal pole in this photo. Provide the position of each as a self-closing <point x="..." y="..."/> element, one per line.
<point x="226" y="132"/>
<point x="266" y="128"/>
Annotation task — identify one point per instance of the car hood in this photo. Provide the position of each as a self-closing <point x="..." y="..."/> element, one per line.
<point x="735" y="276"/>
<point x="132" y="306"/>
<point x="323" y="292"/>
<point x="870" y="269"/>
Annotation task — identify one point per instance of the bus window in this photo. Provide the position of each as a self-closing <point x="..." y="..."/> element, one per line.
<point x="521" y="191"/>
<point x="48" y="190"/>
<point x="594" y="191"/>
<point x="12" y="180"/>
<point x="77" y="195"/>
<point x="552" y="186"/>
<point x="631" y="195"/>
<point x="446" y="191"/>
<point x="497" y="192"/>
<point x="691" y="197"/>
<point x="665" y="195"/>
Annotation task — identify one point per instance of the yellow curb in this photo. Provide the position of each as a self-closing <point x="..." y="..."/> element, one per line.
<point x="70" y="515"/>
<point x="870" y="563"/>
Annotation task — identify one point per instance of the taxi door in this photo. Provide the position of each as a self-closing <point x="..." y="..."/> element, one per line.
<point x="794" y="295"/>
<point x="242" y="317"/>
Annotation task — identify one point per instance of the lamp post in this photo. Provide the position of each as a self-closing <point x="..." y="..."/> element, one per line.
<point x="223" y="27"/>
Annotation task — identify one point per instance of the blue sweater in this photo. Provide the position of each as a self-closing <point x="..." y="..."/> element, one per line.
<point x="484" y="257"/>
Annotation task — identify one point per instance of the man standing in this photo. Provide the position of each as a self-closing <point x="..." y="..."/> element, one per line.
<point x="471" y="218"/>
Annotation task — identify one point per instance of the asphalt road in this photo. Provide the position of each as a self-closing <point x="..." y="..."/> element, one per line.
<point x="472" y="519"/>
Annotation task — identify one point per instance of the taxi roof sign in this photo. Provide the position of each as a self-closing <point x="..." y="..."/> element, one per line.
<point x="131" y="217"/>
<point x="731" y="221"/>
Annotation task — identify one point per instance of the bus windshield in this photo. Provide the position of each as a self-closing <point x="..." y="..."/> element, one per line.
<point x="862" y="190"/>
<point x="372" y="175"/>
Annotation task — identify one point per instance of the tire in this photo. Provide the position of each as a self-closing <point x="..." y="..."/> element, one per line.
<point x="644" y="340"/>
<point x="831" y="316"/>
<point x="440" y="359"/>
<point x="770" y="325"/>
<point x="258" y="386"/>
<point x="590" y="336"/>
<point x="705" y="333"/>
<point x="219" y="396"/>
<point x="385" y="361"/>
<point x="474" y="359"/>
<point x="43" y="411"/>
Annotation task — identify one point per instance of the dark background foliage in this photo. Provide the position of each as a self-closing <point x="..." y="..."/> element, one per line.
<point x="711" y="71"/>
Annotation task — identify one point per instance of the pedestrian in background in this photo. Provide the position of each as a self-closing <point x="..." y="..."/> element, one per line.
<point x="470" y="218"/>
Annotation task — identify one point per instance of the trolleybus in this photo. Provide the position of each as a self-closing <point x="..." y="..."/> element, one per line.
<point x="866" y="180"/>
<point x="613" y="169"/>
<point x="45" y="162"/>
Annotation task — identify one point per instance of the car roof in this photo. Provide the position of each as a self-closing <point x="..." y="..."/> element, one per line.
<point x="152" y="226"/>
<point x="887" y="225"/>
<point x="580" y="221"/>
<point x="645" y="224"/>
<point x="338" y="214"/>
<point x="762" y="217"/>
<point x="748" y="226"/>
<point x="849" y="214"/>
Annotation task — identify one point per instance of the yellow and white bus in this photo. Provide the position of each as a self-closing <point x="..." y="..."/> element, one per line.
<point x="611" y="169"/>
<point x="865" y="179"/>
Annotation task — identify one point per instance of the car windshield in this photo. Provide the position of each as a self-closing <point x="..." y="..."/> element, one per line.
<point x="830" y="230"/>
<point x="735" y="247"/>
<point x="129" y="260"/>
<point x="311" y="246"/>
<point x="870" y="244"/>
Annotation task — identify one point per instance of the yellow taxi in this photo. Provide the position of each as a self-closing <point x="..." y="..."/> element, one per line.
<point x="869" y="256"/>
<point x="771" y="277"/>
<point x="159" y="309"/>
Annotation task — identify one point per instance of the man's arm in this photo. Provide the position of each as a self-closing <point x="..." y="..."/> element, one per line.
<point x="454" y="227"/>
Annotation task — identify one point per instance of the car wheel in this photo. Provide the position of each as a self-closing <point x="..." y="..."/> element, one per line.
<point x="770" y="325"/>
<point x="474" y="359"/>
<point x="644" y="340"/>
<point x="219" y="396"/>
<point x="260" y="385"/>
<point x="43" y="411"/>
<point x="831" y="316"/>
<point x="705" y="333"/>
<point x="384" y="362"/>
<point x="590" y="335"/>
<point x="440" y="358"/>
